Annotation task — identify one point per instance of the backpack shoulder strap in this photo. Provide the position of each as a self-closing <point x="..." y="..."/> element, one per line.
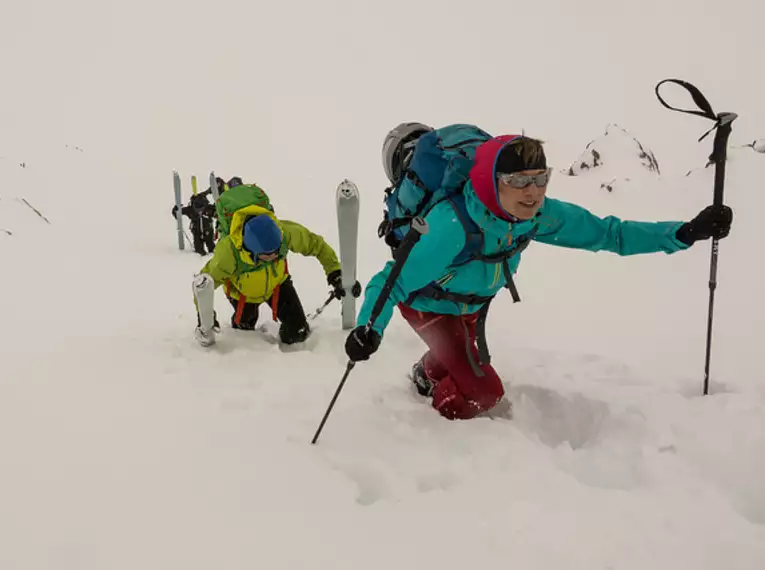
<point x="473" y="233"/>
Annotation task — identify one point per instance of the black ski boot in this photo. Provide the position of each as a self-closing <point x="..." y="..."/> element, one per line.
<point x="424" y="385"/>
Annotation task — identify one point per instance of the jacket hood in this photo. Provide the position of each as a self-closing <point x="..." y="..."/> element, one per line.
<point x="237" y="229"/>
<point x="484" y="178"/>
<point x="498" y="228"/>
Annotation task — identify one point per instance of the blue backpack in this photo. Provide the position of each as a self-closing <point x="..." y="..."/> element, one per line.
<point x="438" y="171"/>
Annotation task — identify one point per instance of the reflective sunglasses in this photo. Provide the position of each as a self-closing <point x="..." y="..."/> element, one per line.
<point x="516" y="180"/>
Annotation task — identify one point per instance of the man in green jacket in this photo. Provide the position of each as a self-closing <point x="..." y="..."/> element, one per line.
<point x="251" y="263"/>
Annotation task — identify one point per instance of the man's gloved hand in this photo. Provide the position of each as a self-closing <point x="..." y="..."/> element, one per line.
<point x="175" y="212"/>
<point x="335" y="280"/>
<point x="711" y="222"/>
<point x="360" y="344"/>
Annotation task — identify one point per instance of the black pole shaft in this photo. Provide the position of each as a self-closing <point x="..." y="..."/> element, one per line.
<point x="348" y="369"/>
<point x="710" y="312"/>
<point x="418" y="228"/>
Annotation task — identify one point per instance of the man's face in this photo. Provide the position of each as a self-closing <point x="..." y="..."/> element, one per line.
<point x="268" y="256"/>
<point x="521" y="193"/>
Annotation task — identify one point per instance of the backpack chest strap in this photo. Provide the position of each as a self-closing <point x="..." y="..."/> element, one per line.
<point x="433" y="291"/>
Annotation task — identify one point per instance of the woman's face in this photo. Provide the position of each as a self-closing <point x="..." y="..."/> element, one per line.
<point x="521" y="193"/>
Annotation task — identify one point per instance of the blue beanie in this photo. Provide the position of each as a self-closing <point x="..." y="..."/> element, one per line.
<point x="261" y="235"/>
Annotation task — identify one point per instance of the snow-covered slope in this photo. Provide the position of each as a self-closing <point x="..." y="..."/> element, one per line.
<point x="126" y="445"/>
<point x="123" y="444"/>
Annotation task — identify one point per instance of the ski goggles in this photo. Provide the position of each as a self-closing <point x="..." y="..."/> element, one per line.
<point x="274" y="253"/>
<point x="520" y="181"/>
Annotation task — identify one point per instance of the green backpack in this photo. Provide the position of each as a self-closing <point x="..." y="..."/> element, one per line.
<point x="235" y="199"/>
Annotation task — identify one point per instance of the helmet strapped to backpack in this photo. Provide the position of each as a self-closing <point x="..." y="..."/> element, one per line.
<point x="438" y="168"/>
<point x="398" y="148"/>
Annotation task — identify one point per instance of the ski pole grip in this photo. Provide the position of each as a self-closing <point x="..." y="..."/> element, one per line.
<point x="419" y="227"/>
<point x="720" y="153"/>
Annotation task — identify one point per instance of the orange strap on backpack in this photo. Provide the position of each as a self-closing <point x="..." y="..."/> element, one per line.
<point x="275" y="302"/>
<point x="241" y="302"/>
<point x="275" y="295"/>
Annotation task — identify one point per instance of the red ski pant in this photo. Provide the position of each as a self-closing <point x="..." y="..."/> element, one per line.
<point x="460" y="393"/>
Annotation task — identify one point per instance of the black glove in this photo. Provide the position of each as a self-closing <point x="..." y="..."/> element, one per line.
<point x="360" y="344"/>
<point x="335" y="280"/>
<point x="711" y="222"/>
<point x="175" y="212"/>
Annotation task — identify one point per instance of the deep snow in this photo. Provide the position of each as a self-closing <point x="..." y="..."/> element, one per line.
<point x="125" y="445"/>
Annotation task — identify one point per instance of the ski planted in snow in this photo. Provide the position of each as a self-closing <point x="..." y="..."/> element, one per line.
<point x="347" y="201"/>
<point x="179" y="206"/>
<point x="214" y="186"/>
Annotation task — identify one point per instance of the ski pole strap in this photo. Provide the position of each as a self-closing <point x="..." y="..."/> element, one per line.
<point x="705" y="109"/>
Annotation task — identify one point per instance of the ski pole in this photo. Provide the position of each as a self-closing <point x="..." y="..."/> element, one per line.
<point x="723" y="124"/>
<point x="418" y="229"/>
<point x="757" y="146"/>
<point x="320" y="310"/>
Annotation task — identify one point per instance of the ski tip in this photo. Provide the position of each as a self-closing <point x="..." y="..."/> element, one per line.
<point x="347" y="189"/>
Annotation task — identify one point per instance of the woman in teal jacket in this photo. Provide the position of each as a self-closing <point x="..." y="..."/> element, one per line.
<point x="446" y="302"/>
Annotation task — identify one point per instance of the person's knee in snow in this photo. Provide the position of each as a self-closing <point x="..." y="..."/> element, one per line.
<point x="245" y="318"/>
<point x="470" y="397"/>
<point x="291" y="335"/>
